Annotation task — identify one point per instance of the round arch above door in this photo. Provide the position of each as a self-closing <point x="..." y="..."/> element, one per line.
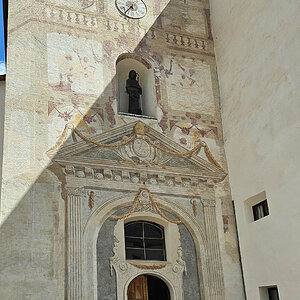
<point x="148" y="287"/>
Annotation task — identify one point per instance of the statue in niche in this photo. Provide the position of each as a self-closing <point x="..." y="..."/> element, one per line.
<point x="134" y="90"/>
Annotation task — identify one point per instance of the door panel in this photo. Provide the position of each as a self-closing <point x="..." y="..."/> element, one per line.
<point x="138" y="289"/>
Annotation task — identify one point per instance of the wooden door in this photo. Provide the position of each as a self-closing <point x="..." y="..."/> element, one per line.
<point x="138" y="289"/>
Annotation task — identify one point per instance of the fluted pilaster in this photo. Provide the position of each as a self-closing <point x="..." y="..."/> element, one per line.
<point x="74" y="244"/>
<point x="217" y="290"/>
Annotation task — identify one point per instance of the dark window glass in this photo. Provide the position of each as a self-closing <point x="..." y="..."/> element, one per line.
<point x="154" y="255"/>
<point x="144" y="240"/>
<point x="154" y="243"/>
<point x="273" y="293"/>
<point x="260" y="210"/>
<point x="134" y="242"/>
<point x="153" y="231"/>
<point x="134" y="229"/>
<point x="135" y="254"/>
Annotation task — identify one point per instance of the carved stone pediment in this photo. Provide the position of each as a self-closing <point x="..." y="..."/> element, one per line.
<point x="141" y="147"/>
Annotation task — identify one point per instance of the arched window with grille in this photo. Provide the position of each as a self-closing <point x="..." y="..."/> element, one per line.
<point x="144" y="241"/>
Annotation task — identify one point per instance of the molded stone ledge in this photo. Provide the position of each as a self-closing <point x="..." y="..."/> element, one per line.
<point x="136" y="177"/>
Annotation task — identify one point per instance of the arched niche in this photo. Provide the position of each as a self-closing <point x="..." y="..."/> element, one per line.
<point x="124" y="64"/>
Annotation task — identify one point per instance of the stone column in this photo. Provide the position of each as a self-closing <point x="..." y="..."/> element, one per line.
<point x="74" y="256"/>
<point x="217" y="289"/>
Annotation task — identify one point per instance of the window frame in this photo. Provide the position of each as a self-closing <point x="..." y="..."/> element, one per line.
<point x="265" y="210"/>
<point x="273" y="288"/>
<point x="145" y="238"/>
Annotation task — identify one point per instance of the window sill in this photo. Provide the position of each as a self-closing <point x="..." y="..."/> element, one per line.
<point x="256" y="221"/>
<point x="148" y="262"/>
<point x="2" y="77"/>
<point x="136" y="116"/>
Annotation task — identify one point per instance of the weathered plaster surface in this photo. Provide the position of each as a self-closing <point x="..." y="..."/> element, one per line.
<point x="107" y="282"/>
<point x="62" y="69"/>
<point x="191" y="287"/>
<point x="2" y="110"/>
<point x="257" y="49"/>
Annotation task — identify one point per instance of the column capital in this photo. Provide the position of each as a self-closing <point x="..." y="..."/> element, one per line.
<point x="208" y="202"/>
<point x="75" y="191"/>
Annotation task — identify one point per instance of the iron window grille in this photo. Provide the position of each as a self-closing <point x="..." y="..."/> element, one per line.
<point x="144" y="241"/>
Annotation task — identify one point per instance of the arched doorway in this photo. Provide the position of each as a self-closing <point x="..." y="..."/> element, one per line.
<point x="125" y="275"/>
<point x="147" y="287"/>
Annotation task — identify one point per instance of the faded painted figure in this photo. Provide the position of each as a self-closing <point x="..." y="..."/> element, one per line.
<point x="134" y="91"/>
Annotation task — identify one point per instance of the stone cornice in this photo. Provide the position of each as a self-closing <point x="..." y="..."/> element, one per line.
<point x="134" y="176"/>
<point x="73" y="156"/>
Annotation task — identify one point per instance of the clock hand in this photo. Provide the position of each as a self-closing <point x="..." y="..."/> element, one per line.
<point x="131" y="6"/>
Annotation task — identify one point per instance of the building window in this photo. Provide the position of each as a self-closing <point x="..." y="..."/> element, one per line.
<point x="269" y="293"/>
<point x="260" y="210"/>
<point x="273" y="293"/>
<point x="145" y="241"/>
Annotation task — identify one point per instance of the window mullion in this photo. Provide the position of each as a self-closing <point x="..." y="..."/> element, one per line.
<point x="144" y="243"/>
<point x="151" y="247"/>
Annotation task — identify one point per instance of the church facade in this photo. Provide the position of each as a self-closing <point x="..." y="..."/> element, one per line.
<point x="99" y="202"/>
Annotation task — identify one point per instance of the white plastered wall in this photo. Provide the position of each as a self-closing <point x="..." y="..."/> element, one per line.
<point x="257" y="49"/>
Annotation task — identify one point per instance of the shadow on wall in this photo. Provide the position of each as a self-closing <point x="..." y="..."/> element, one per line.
<point x="2" y="111"/>
<point x="33" y="235"/>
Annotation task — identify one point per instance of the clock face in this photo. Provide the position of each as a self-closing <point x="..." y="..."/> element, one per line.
<point x="134" y="9"/>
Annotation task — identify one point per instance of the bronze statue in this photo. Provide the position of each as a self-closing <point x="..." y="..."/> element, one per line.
<point x="134" y="91"/>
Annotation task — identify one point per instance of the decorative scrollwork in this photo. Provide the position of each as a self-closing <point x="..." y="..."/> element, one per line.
<point x="144" y="202"/>
<point x="136" y="202"/>
<point x="74" y="191"/>
<point x="123" y="266"/>
<point x="180" y="264"/>
<point x="141" y="144"/>
<point x="208" y="202"/>
<point x="114" y="259"/>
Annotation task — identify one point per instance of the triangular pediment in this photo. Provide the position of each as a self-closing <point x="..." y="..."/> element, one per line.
<point x="139" y="146"/>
